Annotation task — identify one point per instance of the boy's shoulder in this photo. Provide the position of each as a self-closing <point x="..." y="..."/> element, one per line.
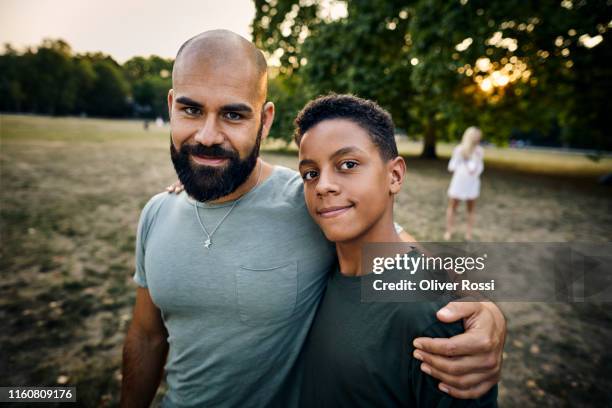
<point x="420" y="319"/>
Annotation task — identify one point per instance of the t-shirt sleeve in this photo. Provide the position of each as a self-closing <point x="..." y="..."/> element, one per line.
<point x="144" y="225"/>
<point x="425" y="387"/>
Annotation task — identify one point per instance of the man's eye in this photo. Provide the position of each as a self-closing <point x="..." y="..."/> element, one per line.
<point x="191" y="111"/>
<point x="232" y="116"/>
<point x="309" y="175"/>
<point x="347" y="165"/>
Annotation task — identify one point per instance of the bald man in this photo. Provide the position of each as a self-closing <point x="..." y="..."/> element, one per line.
<point x="230" y="272"/>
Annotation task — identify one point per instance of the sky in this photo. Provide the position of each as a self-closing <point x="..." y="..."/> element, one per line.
<point x="121" y="28"/>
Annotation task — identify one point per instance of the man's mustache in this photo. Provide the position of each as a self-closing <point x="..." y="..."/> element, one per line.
<point x="212" y="151"/>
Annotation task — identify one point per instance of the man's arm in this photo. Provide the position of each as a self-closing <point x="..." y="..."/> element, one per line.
<point x="144" y="353"/>
<point x="468" y="365"/>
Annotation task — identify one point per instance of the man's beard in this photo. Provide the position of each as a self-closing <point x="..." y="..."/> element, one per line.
<point x="207" y="183"/>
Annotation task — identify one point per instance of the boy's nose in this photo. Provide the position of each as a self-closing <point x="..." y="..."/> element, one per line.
<point x="326" y="184"/>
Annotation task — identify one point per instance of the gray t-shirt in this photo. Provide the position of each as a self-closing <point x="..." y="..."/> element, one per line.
<point x="237" y="313"/>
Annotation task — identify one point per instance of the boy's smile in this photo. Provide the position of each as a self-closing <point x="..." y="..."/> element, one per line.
<point x="333" y="211"/>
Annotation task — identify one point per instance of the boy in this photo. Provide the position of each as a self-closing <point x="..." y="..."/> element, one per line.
<point x="360" y="354"/>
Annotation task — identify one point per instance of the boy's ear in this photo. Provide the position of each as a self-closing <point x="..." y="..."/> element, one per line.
<point x="397" y="169"/>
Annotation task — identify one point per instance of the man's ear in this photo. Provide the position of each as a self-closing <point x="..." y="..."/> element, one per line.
<point x="267" y="118"/>
<point x="397" y="170"/>
<point x="170" y="101"/>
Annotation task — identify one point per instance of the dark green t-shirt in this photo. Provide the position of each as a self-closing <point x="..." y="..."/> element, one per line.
<point x="360" y="354"/>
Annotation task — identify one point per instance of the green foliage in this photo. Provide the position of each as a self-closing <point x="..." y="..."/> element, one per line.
<point x="41" y="81"/>
<point x="289" y="96"/>
<point x="51" y="80"/>
<point x="151" y="80"/>
<point x="108" y="95"/>
<point x="404" y="55"/>
<point x="150" y="93"/>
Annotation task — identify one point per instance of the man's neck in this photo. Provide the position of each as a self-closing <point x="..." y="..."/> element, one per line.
<point x="349" y="252"/>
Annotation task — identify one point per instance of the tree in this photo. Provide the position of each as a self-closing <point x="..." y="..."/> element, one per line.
<point x="108" y="96"/>
<point x="150" y="80"/>
<point x="51" y="80"/>
<point x="287" y="93"/>
<point x="41" y="80"/>
<point x="86" y="78"/>
<point x="10" y="84"/>
<point x="440" y="65"/>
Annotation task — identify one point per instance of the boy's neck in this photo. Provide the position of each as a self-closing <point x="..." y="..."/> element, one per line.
<point x="349" y="252"/>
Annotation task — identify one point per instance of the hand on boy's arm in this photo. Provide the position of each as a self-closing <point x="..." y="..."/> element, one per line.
<point x="469" y="364"/>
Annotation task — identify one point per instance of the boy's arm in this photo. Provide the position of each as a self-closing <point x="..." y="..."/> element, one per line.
<point x="469" y="364"/>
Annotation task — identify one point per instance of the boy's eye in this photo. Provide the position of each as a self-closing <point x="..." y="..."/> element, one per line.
<point x="309" y="175"/>
<point x="349" y="164"/>
<point x="232" y="116"/>
<point x="191" y="111"/>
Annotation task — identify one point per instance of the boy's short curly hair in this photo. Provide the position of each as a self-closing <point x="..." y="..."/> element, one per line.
<point x="365" y="113"/>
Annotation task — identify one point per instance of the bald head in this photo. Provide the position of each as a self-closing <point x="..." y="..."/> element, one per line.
<point x="221" y="50"/>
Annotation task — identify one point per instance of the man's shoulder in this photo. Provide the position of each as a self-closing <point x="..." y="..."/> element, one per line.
<point x="287" y="184"/>
<point x="158" y="201"/>
<point x="286" y="175"/>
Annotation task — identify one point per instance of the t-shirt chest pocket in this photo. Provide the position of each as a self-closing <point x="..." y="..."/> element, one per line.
<point x="266" y="295"/>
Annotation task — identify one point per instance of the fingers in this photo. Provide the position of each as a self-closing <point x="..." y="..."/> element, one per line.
<point x="468" y="343"/>
<point x="454" y="311"/>
<point x="175" y="188"/>
<point x="471" y="385"/>
<point x="470" y="393"/>
<point x="457" y="382"/>
<point x="481" y="363"/>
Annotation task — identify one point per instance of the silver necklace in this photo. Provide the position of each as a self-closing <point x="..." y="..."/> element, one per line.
<point x="208" y="242"/>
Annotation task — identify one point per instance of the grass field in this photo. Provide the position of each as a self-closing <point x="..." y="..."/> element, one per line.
<point x="71" y="193"/>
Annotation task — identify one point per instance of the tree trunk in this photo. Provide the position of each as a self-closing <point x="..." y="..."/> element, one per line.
<point x="429" y="142"/>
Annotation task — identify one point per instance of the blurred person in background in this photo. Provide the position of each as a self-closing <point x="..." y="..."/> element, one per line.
<point x="466" y="164"/>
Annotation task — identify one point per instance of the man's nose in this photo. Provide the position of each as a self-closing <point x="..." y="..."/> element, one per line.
<point x="209" y="134"/>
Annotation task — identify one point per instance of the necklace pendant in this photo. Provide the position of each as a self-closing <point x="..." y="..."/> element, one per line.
<point x="207" y="243"/>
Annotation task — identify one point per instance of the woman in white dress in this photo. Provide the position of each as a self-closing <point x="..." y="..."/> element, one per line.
<point x="466" y="164"/>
